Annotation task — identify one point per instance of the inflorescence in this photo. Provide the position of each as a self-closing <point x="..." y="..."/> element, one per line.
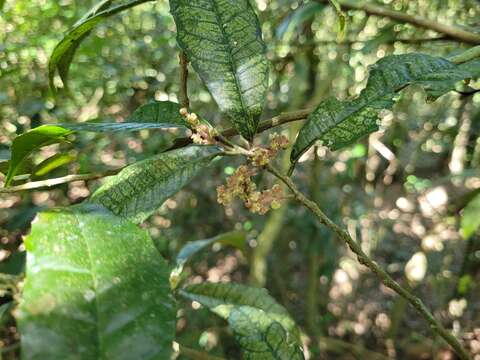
<point x="240" y="184"/>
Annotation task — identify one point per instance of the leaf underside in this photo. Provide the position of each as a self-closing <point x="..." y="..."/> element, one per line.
<point x="261" y="326"/>
<point x="140" y="189"/>
<point x="96" y="288"/>
<point x="340" y="123"/>
<point x="223" y="41"/>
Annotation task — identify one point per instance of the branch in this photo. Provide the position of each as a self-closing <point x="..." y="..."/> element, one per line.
<point x="264" y="125"/>
<point x="273" y="122"/>
<point x="179" y="143"/>
<point x="451" y="31"/>
<point x="57" y="181"/>
<point x="183" y="96"/>
<point x="365" y="260"/>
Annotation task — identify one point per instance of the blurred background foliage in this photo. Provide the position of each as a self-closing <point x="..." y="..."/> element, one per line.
<point x="399" y="192"/>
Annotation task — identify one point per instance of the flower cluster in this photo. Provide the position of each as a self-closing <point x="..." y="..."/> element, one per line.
<point x="262" y="156"/>
<point x="240" y="185"/>
<point x="203" y="134"/>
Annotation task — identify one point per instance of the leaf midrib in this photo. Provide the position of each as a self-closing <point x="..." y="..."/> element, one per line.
<point x="231" y="61"/>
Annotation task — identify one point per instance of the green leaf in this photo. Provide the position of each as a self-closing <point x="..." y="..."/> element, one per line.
<point x="262" y="327"/>
<point x="154" y="115"/>
<point x="340" y="123"/>
<point x="52" y="163"/>
<point x="5" y="312"/>
<point x="470" y="221"/>
<point x="233" y="238"/>
<point x="14" y="264"/>
<point x="140" y="189"/>
<point x="342" y="18"/>
<point x="293" y="22"/>
<point x="223" y="41"/>
<point x="96" y="288"/>
<point x="261" y="336"/>
<point x="23" y="145"/>
<point x="64" y="52"/>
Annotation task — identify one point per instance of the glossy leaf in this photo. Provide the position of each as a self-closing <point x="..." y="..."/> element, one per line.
<point x="154" y="115"/>
<point x="262" y="327"/>
<point x="223" y="41"/>
<point x="96" y="288"/>
<point x="470" y="221"/>
<point x="23" y="145"/>
<point x="340" y="123"/>
<point x="140" y="189"/>
<point x="64" y="52"/>
<point x="233" y="238"/>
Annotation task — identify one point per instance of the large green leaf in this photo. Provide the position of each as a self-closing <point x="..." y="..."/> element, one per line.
<point x="140" y="189"/>
<point x="262" y="327"/>
<point x="232" y="238"/>
<point x="23" y="145"/>
<point x="96" y="288"/>
<point x="340" y="123"/>
<point x="470" y="221"/>
<point x="64" y="52"/>
<point x="223" y="41"/>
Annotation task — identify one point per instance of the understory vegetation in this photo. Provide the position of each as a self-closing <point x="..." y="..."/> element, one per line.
<point x="236" y="179"/>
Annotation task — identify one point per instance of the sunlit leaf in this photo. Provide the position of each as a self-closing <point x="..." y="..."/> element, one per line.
<point x="340" y="123"/>
<point x="233" y="238"/>
<point x="223" y="41"/>
<point x="96" y="288"/>
<point x="23" y="145"/>
<point x="64" y="52"/>
<point x="140" y="189"/>
<point x="262" y="327"/>
<point x="470" y="221"/>
<point x="342" y="19"/>
<point x="53" y="162"/>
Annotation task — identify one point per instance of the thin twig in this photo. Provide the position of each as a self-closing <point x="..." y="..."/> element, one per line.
<point x="183" y="96"/>
<point x="365" y="260"/>
<point x="57" y="181"/>
<point x="371" y="9"/>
